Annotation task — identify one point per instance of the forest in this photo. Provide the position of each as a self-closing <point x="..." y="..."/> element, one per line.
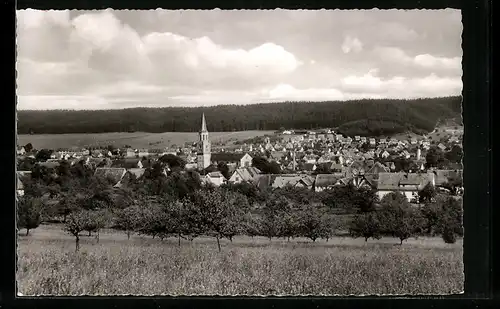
<point x="369" y="117"/>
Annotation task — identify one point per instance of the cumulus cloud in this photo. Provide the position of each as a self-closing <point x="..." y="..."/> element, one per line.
<point x="399" y="56"/>
<point x="351" y="44"/>
<point x="114" y="59"/>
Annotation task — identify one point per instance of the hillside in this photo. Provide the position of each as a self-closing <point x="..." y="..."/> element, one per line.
<point x="360" y="117"/>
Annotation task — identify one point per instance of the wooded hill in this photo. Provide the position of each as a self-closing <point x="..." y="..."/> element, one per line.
<point x="357" y="117"/>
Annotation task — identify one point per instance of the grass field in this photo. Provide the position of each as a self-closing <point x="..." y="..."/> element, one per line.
<point x="48" y="264"/>
<point x="136" y="140"/>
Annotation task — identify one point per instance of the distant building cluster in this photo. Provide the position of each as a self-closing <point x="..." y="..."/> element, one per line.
<point x="318" y="160"/>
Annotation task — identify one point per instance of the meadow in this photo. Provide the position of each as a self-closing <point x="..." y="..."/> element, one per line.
<point x="49" y="265"/>
<point x="135" y="140"/>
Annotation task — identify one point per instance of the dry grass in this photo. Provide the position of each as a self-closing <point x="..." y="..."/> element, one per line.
<point x="136" y="140"/>
<point x="153" y="267"/>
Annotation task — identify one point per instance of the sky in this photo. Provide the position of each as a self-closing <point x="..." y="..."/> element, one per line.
<point x="113" y="59"/>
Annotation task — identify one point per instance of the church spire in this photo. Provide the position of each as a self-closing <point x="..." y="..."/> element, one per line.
<point x="203" y="123"/>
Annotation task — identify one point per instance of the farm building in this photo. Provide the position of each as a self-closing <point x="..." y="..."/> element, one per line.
<point x="410" y="184"/>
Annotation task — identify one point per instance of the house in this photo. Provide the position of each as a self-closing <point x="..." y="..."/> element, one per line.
<point x="443" y="177"/>
<point x="21" y="151"/>
<point x="302" y="181"/>
<point x="382" y="141"/>
<point x="309" y="167"/>
<point x="191" y="166"/>
<point x="143" y="153"/>
<point x="244" y="174"/>
<point x="278" y="156"/>
<point x="441" y="146"/>
<point x="371" y="141"/>
<point x="241" y="159"/>
<point x="327" y="181"/>
<point x="128" y="163"/>
<point x="214" y="178"/>
<point x="20" y="176"/>
<point x="310" y="159"/>
<point x="409" y="184"/>
<point x="413" y="141"/>
<point x="130" y="153"/>
<point x="113" y="174"/>
<point x="133" y="173"/>
<point x="362" y="139"/>
<point x="385" y="154"/>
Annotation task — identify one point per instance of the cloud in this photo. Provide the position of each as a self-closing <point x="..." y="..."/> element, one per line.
<point x="166" y="58"/>
<point x="401" y="87"/>
<point x="351" y="44"/>
<point x="397" y="55"/>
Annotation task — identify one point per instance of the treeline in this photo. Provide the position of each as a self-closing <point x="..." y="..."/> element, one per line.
<point x="362" y="117"/>
<point x="179" y="205"/>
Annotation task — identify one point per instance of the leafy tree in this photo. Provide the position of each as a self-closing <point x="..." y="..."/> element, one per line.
<point x="173" y="161"/>
<point x="220" y="213"/>
<point x="43" y="155"/>
<point x="251" y="224"/>
<point x="265" y="166"/>
<point x="224" y="169"/>
<point x="427" y="194"/>
<point x="29" y="213"/>
<point x="434" y="157"/>
<point x="28" y="147"/>
<point x="398" y="218"/>
<point x="75" y="224"/>
<point x="275" y="209"/>
<point x="366" y="225"/>
<point x="26" y="164"/>
<point x="129" y="219"/>
<point x="311" y="222"/>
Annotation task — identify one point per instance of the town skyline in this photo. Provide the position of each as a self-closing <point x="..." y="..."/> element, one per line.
<point x="121" y="59"/>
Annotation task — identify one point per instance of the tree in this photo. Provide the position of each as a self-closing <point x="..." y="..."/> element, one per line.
<point x="75" y="224"/>
<point x="220" y="213"/>
<point x="398" y="218"/>
<point x="173" y="161"/>
<point x="310" y="222"/>
<point x="275" y="209"/>
<point x="43" y="155"/>
<point x="29" y="213"/>
<point x="224" y="169"/>
<point x="365" y="225"/>
<point x="129" y="219"/>
<point x="28" y="147"/>
<point x="251" y="224"/>
<point x="427" y="194"/>
<point x="434" y="157"/>
<point x="455" y="154"/>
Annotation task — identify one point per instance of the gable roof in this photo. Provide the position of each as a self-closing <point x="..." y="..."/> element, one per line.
<point x="20" y="175"/>
<point x="215" y="175"/>
<point x="326" y="180"/>
<point x="392" y="181"/>
<point x="378" y="168"/>
<point x="227" y="156"/>
<point x="116" y="174"/>
<point x="443" y="176"/>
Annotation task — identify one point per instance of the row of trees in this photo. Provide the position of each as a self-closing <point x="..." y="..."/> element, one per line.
<point x="177" y="204"/>
<point x="358" y="117"/>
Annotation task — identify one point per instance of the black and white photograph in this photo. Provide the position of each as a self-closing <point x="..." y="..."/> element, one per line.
<point x="239" y="152"/>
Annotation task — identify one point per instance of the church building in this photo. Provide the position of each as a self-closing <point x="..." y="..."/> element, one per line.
<point x="204" y="148"/>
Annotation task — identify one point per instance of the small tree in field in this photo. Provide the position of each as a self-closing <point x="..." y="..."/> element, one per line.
<point x="274" y="210"/>
<point x="310" y="222"/>
<point x="251" y="225"/>
<point x="219" y="213"/>
<point x="366" y="225"/>
<point x="29" y="212"/>
<point x="398" y="218"/>
<point x="328" y="227"/>
<point x="128" y="219"/>
<point x="75" y="224"/>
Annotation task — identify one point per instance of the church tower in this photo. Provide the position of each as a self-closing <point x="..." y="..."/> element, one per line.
<point x="204" y="151"/>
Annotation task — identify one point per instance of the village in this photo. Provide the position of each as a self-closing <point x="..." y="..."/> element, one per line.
<point x="318" y="160"/>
